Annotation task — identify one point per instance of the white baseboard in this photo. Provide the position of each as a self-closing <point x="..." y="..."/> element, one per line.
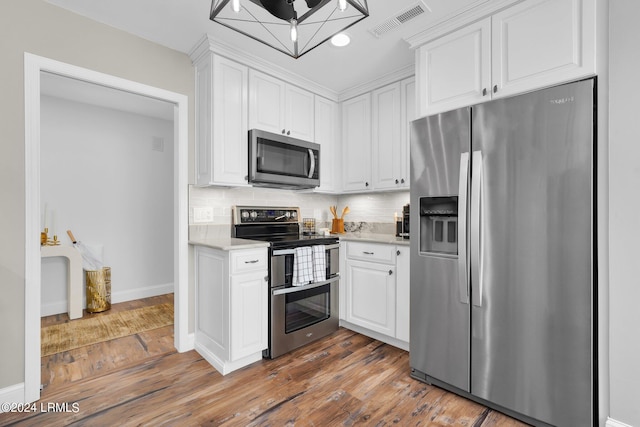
<point x="57" y="307"/>
<point x="613" y="423"/>
<point x="11" y="394"/>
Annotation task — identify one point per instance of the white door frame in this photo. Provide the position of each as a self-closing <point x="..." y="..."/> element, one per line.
<point x="33" y="66"/>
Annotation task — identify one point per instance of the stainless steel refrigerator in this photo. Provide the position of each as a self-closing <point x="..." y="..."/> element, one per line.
<point x="503" y="269"/>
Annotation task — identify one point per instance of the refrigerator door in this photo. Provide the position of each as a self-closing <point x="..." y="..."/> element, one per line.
<point x="532" y="277"/>
<point x="439" y="311"/>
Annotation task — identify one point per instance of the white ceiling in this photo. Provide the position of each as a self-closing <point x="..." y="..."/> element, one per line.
<point x="180" y="24"/>
<point x="58" y="86"/>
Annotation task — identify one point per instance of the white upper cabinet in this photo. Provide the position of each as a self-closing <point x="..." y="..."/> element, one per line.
<point x="386" y="137"/>
<point x="539" y="43"/>
<point x="534" y="44"/>
<point x="408" y="114"/>
<point x="221" y="115"/>
<point x="455" y="70"/>
<point x="356" y="142"/>
<point x="278" y="107"/>
<point x="327" y="134"/>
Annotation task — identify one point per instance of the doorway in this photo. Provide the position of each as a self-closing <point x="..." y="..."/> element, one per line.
<point x="34" y="67"/>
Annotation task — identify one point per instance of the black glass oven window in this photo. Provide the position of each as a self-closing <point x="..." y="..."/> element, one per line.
<point x="306" y="308"/>
<point x="282" y="159"/>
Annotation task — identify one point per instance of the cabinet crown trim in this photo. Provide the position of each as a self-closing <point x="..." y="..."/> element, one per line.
<point x="476" y="11"/>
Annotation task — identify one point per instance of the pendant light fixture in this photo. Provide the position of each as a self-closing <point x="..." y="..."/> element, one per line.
<point x="293" y="27"/>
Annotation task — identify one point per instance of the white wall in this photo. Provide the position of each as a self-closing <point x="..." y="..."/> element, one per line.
<point x="372" y="208"/>
<point x="624" y="206"/>
<point x="101" y="179"/>
<point x="42" y="29"/>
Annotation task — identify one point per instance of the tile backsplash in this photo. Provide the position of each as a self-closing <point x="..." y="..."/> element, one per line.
<point x="367" y="208"/>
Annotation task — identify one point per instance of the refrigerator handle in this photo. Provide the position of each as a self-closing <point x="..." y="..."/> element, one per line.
<point x="463" y="279"/>
<point x="476" y="229"/>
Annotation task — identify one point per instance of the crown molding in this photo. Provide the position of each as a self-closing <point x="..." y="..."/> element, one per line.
<point x="399" y="74"/>
<point x="474" y="12"/>
<point x="208" y="44"/>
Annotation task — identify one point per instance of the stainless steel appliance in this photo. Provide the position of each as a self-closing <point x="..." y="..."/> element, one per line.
<point x="298" y="315"/>
<point x="503" y="288"/>
<point x="283" y="162"/>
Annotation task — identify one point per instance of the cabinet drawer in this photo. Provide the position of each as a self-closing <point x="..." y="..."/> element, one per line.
<point x="371" y="252"/>
<point x="248" y="260"/>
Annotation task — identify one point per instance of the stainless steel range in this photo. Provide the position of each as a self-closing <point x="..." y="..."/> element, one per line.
<point x="299" y="312"/>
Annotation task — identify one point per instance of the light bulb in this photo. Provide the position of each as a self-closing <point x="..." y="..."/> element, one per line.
<point x="235" y="5"/>
<point x="342" y="5"/>
<point x="294" y="30"/>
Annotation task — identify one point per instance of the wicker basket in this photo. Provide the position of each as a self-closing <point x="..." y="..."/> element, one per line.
<point x="98" y="290"/>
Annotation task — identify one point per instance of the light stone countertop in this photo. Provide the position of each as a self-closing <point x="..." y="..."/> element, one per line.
<point x="228" y="243"/>
<point x="373" y="238"/>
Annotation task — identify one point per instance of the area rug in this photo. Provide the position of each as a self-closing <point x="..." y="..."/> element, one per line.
<point x="91" y="330"/>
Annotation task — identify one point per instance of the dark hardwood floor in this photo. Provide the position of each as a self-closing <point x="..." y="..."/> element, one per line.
<point x="345" y="379"/>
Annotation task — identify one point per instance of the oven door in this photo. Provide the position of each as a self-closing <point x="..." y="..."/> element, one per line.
<point x="300" y="315"/>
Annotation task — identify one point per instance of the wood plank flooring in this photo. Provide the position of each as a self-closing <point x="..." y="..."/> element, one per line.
<point x="345" y="379"/>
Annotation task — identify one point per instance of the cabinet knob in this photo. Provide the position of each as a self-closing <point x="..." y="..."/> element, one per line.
<point x="495" y="88"/>
<point x="288" y="132"/>
<point x="266" y="278"/>
<point x="397" y="252"/>
<point x="484" y="92"/>
<point x="390" y="272"/>
<point x="367" y="253"/>
<point x="402" y="181"/>
<point x="283" y="131"/>
<point x="397" y="182"/>
<point x="366" y="184"/>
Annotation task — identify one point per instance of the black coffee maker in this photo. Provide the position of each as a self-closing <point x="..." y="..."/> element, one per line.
<point x="402" y="226"/>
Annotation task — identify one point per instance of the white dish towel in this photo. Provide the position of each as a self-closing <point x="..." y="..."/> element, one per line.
<point x="319" y="263"/>
<point x="302" y="266"/>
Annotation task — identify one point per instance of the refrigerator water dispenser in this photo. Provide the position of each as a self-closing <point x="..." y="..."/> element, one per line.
<point x="439" y="225"/>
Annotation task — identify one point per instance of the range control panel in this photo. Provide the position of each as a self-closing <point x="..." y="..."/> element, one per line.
<point x="261" y="214"/>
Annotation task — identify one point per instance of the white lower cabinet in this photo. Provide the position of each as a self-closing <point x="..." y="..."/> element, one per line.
<point x="376" y="291"/>
<point x="231" y="306"/>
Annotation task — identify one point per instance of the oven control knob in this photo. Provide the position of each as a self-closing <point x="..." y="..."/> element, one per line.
<point x="287" y="214"/>
<point x="253" y="214"/>
<point x="244" y="215"/>
<point x="294" y="214"/>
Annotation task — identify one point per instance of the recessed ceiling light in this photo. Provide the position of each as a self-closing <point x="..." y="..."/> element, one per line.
<point x="340" y="40"/>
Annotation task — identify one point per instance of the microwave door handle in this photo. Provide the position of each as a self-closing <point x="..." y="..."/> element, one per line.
<point x="312" y="168"/>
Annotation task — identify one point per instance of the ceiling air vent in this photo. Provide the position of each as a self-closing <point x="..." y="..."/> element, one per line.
<point x="399" y="18"/>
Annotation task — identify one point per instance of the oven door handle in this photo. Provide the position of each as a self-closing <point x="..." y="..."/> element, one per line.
<point x="278" y="252"/>
<point x="294" y="289"/>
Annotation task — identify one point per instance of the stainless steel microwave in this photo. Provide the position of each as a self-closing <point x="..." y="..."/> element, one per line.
<point x="283" y="162"/>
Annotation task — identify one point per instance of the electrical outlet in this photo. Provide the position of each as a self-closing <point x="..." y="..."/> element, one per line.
<point x="202" y="214"/>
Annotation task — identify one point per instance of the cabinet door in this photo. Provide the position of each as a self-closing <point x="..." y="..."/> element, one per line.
<point x="539" y="43"/>
<point x="408" y="114"/>
<point x="230" y="110"/>
<point x="356" y="141"/>
<point x="204" y="119"/>
<point x="402" y="293"/>
<point x="248" y="314"/>
<point x="299" y="113"/>
<point x="371" y="296"/>
<point x="266" y="102"/>
<point x="327" y="135"/>
<point x="455" y="70"/>
<point x="386" y="137"/>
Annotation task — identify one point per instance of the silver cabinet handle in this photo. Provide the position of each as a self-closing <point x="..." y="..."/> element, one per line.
<point x="476" y="229"/>
<point x="367" y="253"/>
<point x="253" y="261"/>
<point x="463" y="278"/>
